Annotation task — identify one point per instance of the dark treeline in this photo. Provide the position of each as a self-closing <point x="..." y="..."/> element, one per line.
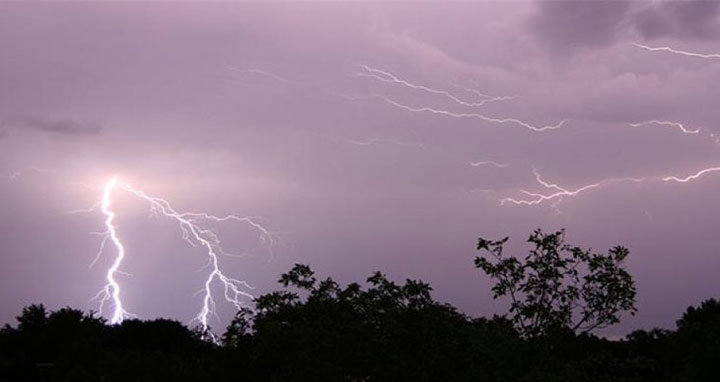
<point x="316" y="330"/>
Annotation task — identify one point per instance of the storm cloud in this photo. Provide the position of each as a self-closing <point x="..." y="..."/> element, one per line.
<point x="57" y="126"/>
<point x="573" y="24"/>
<point x="685" y="20"/>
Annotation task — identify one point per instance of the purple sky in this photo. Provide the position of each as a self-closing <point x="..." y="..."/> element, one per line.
<point x="350" y="129"/>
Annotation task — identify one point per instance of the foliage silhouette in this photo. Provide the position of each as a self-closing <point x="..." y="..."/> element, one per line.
<point x="314" y="329"/>
<point x="559" y="286"/>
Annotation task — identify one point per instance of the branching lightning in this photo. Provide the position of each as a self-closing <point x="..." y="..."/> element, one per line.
<point x="676" y="51"/>
<point x="426" y="109"/>
<point x="191" y="224"/>
<point x="559" y="192"/>
<point x="385" y="76"/>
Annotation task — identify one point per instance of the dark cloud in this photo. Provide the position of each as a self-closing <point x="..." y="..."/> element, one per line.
<point x="695" y="20"/>
<point x="569" y="25"/>
<point x="60" y="126"/>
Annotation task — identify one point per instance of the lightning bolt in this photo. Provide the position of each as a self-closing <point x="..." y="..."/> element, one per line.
<point x="486" y="97"/>
<point x="535" y="198"/>
<point x="675" y="51"/>
<point x="235" y="290"/>
<point x="490" y="163"/>
<point x="666" y="123"/>
<point x="690" y="177"/>
<point x="426" y="109"/>
<point x="385" y="76"/>
<point x="111" y="291"/>
<point x="559" y="192"/>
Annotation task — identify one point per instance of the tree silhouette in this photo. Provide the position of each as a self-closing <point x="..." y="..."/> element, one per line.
<point x="314" y="329"/>
<point x="695" y="349"/>
<point x="558" y="286"/>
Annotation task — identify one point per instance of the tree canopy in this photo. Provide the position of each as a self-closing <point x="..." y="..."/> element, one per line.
<point x="558" y="286"/>
<point x="314" y="329"/>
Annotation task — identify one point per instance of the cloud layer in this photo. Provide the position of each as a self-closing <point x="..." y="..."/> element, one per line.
<point x="61" y="126"/>
<point x="263" y="110"/>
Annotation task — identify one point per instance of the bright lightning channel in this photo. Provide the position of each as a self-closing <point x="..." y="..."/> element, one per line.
<point x="111" y="291"/>
<point x="235" y="291"/>
<point x="535" y="198"/>
<point x="676" y="51"/>
<point x="690" y="177"/>
<point x="560" y="192"/>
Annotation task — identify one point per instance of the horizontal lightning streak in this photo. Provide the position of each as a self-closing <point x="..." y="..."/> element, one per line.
<point x="560" y="192"/>
<point x="676" y="51"/>
<point x="489" y="162"/>
<point x="484" y="96"/>
<point x="385" y="76"/>
<point x="690" y="177"/>
<point x="382" y="140"/>
<point x="537" y="198"/>
<point x="666" y="123"/>
<point x="426" y="109"/>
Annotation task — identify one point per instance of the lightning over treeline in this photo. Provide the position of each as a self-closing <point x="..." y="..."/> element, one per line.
<point x="194" y="231"/>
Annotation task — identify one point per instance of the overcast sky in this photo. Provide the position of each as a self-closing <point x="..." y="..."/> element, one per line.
<point x="364" y="136"/>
